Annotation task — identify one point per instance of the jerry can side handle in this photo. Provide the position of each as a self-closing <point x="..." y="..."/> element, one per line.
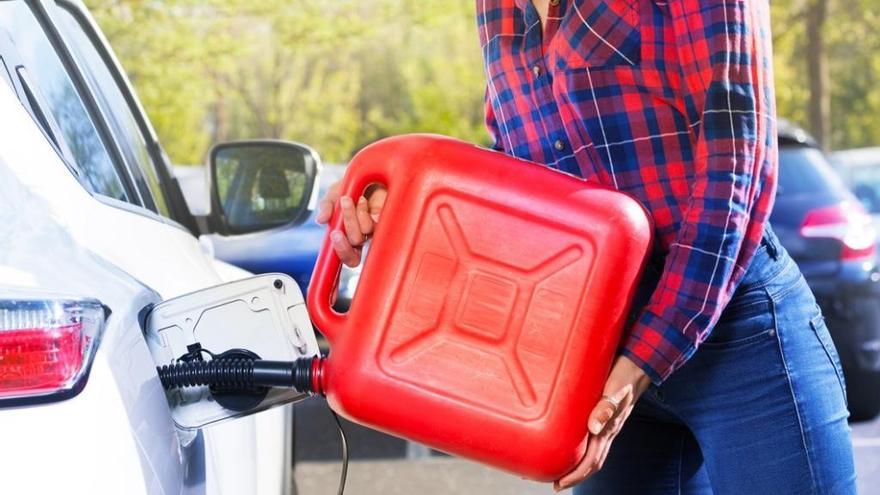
<point x="362" y="172"/>
<point x="389" y="161"/>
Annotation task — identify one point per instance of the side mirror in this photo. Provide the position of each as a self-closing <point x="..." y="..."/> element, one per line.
<point x="259" y="185"/>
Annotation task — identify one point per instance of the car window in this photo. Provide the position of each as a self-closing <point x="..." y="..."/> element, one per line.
<point x="866" y="176"/>
<point x="4" y="74"/>
<point x="114" y="106"/>
<point x="98" y="172"/>
<point x="865" y="181"/>
<point x="805" y="170"/>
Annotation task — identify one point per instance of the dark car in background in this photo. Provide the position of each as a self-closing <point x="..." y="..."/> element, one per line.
<point x="831" y="237"/>
<point x="289" y="249"/>
<point x="823" y="226"/>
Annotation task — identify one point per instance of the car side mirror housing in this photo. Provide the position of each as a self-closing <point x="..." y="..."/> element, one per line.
<point x="261" y="184"/>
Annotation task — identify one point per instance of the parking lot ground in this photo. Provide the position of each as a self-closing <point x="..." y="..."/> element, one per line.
<point x="866" y="442"/>
<point x="430" y="476"/>
<point x="383" y="465"/>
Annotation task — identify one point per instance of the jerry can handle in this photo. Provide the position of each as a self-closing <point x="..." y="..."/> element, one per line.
<point x="325" y="278"/>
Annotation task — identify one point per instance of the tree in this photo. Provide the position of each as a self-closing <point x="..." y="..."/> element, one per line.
<point x="817" y="71"/>
<point x="339" y="75"/>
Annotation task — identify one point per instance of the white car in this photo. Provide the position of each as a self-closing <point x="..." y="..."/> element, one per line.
<point x="860" y="169"/>
<point x="94" y="232"/>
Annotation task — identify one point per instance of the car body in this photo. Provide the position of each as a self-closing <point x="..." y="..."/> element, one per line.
<point x="92" y="214"/>
<point x="829" y="235"/>
<point x="860" y="169"/>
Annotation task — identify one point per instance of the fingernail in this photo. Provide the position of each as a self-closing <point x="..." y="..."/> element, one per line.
<point x="363" y="200"/>
<point x="596" y="426"/>
<point x="336" y="236"/>
<point x="346" y="202"/>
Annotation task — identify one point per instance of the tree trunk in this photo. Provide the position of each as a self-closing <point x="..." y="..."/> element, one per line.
<point x="817" y="73"/>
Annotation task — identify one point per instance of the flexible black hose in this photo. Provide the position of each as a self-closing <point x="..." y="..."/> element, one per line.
<point x="246" y="373"/>
<point x="238" y="373"/>
<point x="231" y="373"/>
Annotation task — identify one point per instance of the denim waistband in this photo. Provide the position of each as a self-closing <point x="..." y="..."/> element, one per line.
<point x="769" y="259"/>
<point x="770" y="242"/>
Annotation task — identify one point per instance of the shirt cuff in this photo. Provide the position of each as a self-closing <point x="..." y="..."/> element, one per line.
<point x="657" y="347"/>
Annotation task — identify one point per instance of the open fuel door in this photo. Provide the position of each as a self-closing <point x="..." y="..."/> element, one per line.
<point x="262" y="317"/>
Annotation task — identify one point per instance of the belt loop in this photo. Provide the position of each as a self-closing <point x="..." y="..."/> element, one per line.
<point x="769" y="239"/>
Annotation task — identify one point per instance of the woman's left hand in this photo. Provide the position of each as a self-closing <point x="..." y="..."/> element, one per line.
<point x="626" y="383"/>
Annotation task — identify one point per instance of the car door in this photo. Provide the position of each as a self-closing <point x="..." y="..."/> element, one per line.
<point x="125" y="209"/>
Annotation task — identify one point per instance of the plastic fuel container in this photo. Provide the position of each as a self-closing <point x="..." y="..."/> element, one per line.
<point x="489" y="308"/>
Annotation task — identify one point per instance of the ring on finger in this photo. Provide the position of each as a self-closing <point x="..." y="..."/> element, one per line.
<point x="611" y="400"/>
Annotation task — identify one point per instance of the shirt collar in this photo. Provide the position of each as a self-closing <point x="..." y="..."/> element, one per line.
<point x="528" y="8"/>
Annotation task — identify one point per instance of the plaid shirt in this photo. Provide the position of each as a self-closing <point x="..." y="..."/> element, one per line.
<point x="669" y="101"/>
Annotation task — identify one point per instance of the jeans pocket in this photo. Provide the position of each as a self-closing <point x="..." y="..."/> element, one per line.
<point x="820" y="329"/>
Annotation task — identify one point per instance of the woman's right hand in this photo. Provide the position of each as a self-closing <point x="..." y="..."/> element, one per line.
<point x="359" y="219"/>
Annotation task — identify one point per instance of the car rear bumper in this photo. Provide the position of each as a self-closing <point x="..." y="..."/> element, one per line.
<point x="850" y="302"/>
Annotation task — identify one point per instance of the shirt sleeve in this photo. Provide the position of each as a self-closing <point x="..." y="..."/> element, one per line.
<point x="725" y="61"/>
<point x="492" y="124"/>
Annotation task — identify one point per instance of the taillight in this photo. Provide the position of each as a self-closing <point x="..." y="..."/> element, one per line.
<point x="848" y="223"/>
<point x="46" y="347"/>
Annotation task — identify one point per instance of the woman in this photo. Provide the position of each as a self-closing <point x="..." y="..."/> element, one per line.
<point x="727" y="381"/>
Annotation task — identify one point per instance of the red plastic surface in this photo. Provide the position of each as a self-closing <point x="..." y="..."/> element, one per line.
<point x="490" y="306"/>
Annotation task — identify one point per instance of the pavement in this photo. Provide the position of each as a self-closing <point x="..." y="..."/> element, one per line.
<point x="384" y="465"/>
<point x="866" y="443"/>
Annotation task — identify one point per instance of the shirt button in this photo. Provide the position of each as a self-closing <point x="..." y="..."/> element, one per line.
<point x="559" y="145"/>
<point x="536" y="70"/>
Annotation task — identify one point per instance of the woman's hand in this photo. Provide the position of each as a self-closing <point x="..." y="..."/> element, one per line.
<point x="626" y="383"/>
<point x="359" y="220"/>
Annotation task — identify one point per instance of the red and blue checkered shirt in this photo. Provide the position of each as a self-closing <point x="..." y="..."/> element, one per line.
<point x="669" y="101"/>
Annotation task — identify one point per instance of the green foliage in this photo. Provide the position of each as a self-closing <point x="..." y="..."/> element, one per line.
<point x="853" y="41"/>
<point x="163" y="53"/>
<point x="336" y="75"/>
<point x="340" y="74"/>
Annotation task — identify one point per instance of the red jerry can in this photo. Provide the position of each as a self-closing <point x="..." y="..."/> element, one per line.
<point x="489" y="308"/>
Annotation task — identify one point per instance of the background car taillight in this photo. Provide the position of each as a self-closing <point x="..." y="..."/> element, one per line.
<point x="46" y="347"/>
<point x="846" y="222"/>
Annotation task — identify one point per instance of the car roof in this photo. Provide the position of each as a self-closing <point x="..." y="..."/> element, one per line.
<point x="857" y="158"/>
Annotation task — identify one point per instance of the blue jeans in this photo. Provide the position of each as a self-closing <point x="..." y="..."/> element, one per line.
<point x="759" y="409"/>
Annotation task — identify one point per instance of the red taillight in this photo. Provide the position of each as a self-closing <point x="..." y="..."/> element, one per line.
<point x="46" y="345"/>
<point x="846" y="222"/>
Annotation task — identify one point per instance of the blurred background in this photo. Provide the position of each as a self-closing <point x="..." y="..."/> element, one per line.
<point x="336" y="75"/>
<point x="340" y="74"/>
